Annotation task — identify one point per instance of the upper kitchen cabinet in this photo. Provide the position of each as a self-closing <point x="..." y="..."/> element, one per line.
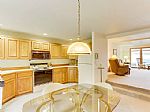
<point x="45" y="46"/>
<point x="2" y="47"/>
<point x="55" y="50"/>
<point x="36" y="45"/>
<point x="25" y="49"/>
<point x="12" y="48"/>
<point x="40" y="46"/>
<point x="64" y="51"/>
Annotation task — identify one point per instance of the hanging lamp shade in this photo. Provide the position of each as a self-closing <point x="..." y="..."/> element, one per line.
<point x="79" y="48"/>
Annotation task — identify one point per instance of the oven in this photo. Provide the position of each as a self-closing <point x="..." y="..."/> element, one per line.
<point x="42" y="73"/>
<point x="42" y="76"/>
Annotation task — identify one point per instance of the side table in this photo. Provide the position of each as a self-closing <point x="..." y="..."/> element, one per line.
<point x="101" y="73"/>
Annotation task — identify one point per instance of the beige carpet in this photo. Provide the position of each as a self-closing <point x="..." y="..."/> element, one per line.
<point x="137" y="78"/>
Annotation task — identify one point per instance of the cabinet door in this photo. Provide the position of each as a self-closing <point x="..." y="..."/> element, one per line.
<point x="75" y="57"/>
<point x="65" y="75"/>
<point x="2" y="46"/>
<point x="12" y="48"/>
<point x="25" y="49"/>
<point x="36" y="45"/>
<point x="45" y="47"/>
<point x="64" y="51"/>
<point x="57" y="75"/>
<point x="55" y="51"/>
<point x="72" y="75"/>
<point x="9" y="89"/>
<point x="24" y="82"/>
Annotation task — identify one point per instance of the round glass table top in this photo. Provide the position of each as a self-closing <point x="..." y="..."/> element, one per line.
<point x="76" y="98"/>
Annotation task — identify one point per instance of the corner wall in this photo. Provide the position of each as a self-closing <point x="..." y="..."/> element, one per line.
<point x="100" y="47"/>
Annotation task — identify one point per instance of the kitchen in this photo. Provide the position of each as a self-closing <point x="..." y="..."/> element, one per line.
<point x="27" y="62"/>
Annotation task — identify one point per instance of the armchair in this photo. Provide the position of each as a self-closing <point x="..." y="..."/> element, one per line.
<point x="118" y="68"/>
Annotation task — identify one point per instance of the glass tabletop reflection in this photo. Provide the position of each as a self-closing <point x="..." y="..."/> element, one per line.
<point x="77" y="98"/>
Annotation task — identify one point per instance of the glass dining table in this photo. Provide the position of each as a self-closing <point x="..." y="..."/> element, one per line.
<point x="76" y="98"/>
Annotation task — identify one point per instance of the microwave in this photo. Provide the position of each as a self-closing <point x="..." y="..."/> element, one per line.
<point x="40" y="55"/>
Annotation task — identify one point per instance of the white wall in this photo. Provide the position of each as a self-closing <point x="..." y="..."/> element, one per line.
<point x="99" y="46"/>
<point x="14" y="63"/>
<point x="24" y="63"/>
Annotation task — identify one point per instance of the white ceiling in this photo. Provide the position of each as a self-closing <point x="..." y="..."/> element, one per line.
<point x="57" y="18"/>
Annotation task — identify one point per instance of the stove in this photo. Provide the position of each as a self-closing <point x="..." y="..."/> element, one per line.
<point x="42" y="73"/>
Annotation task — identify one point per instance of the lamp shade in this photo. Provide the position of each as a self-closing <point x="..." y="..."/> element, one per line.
<point x="79" y="48"/>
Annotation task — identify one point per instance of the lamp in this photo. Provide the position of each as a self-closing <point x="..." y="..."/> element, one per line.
<point x="78" y="48"/>
<point x="114" y="57"/>
<point x="125" y="58"/>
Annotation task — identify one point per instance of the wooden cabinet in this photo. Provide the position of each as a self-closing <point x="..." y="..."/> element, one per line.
<point x="60" y="75"/>
<point x="25" y="49"/>
<point x="2" y="48"/>
<point x="12" y="48"/>
<point x="24" y="82"/>
<point x="45" y="47"/>
<point x="36" y="45"/>
<point x="17" y="84"/>
<point x="40" y="46"/>
<point x="55" y="51"/>
<point x="75" y="57"/>
<point x="65" y="74"/>
<point x="72" y="74"/>
<point x="9" y="89"/>
<point x="64" y="51"/>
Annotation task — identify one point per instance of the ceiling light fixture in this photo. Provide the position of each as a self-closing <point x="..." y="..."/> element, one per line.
<point x="79" y="48"/>
<point x="45" y="34"/>
<point x="1" y="25"/>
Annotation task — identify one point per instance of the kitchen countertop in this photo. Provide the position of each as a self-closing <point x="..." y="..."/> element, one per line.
<point x="21" y="70"/>
<point x="13" y="71"/>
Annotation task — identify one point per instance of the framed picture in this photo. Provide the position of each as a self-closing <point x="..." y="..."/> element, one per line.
<point x="115" y="52"/>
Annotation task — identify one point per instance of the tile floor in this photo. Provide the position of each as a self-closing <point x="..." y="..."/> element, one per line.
<point x="127" y="104"/>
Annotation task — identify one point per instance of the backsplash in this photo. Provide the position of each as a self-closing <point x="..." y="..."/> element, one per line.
<point x="52" y="61"/>
<point x="14" y="63"/>
<point x="24" y="63"/>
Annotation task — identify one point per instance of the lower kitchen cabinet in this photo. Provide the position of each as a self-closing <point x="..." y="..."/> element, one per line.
<point x="9" y="89"/>
<point x="73" y="74"/>
<point x="60" y="75"/>
<point x="17" y="84"/>
<point x="65" y="75"/>
<point x="24" y="82"/>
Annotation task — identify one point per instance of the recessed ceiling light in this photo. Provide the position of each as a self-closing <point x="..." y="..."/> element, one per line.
<point x="70" y="39"/>
<point x="45" y="34"/>
<point x="1" y="25"/>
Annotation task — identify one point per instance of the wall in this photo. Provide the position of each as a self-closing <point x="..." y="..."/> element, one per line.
<point x="14" y="63"/>
<point x="25" y="63"/>
<point x="122" y="49"/>
<point x="99" y="46"/>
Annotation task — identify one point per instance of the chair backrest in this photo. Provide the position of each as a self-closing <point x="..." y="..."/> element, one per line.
<point x="114" y="65"/>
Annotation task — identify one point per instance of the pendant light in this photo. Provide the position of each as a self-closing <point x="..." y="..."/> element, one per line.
<point x="79" y="48"/>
